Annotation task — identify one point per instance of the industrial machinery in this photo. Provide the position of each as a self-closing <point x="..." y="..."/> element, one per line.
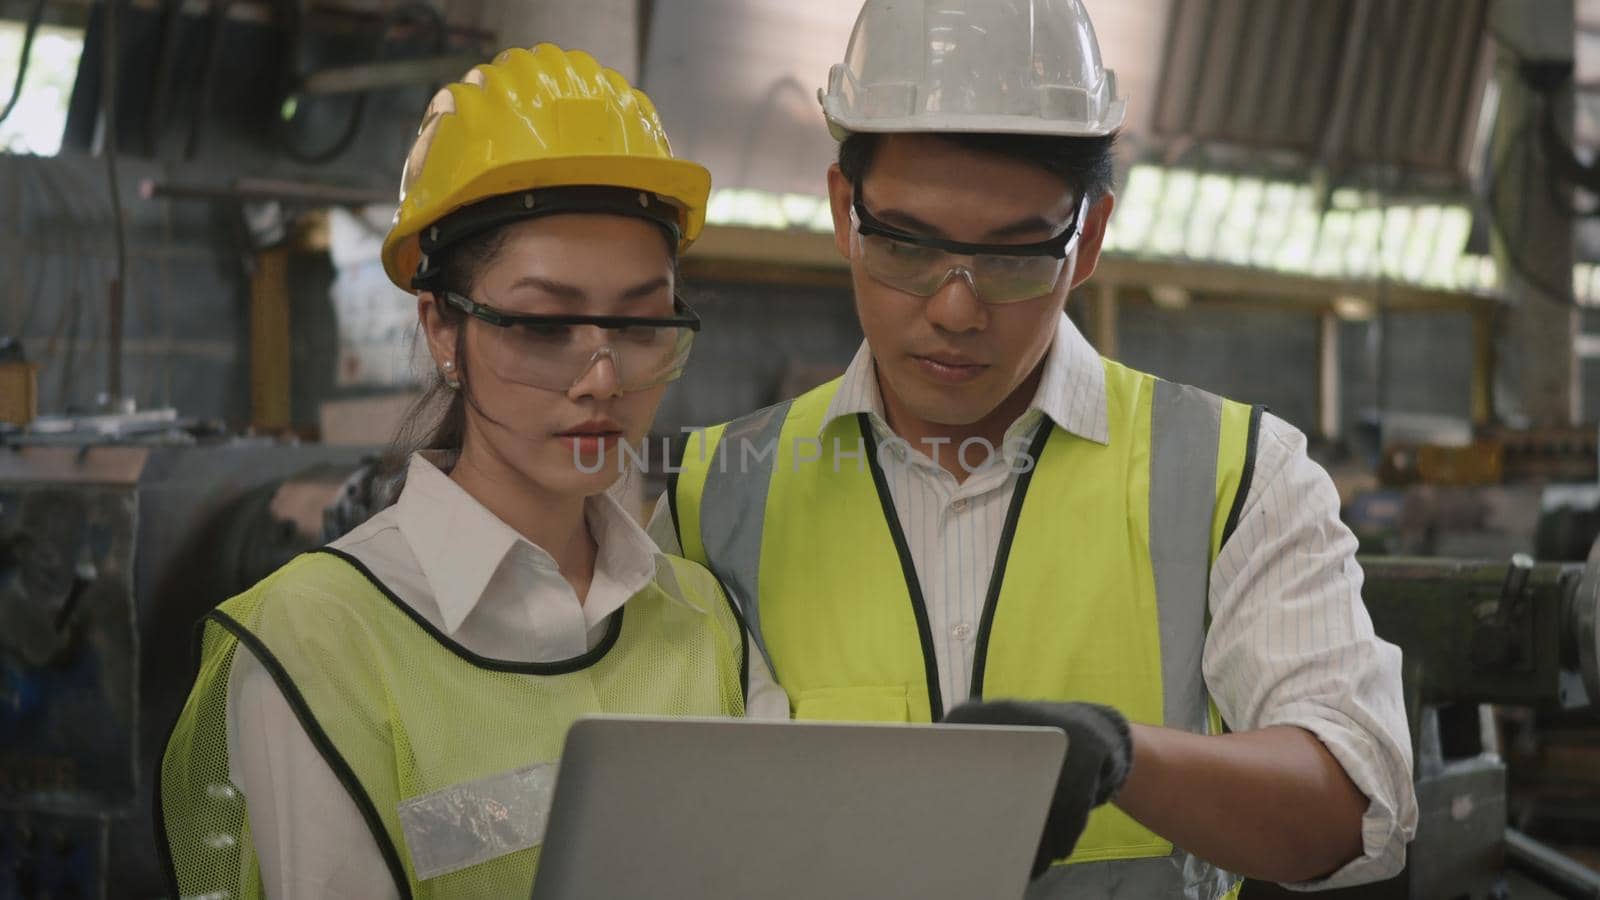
<point x="1476" y="633"/>
<point x="108" y="556"/>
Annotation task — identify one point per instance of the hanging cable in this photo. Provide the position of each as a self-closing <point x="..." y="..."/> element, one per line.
<point x="216" y="31"/>
<point x="108" y="97"/>
<point x="35" y="16"/>
<point x="435" y="25"/>
<point x="1522" y="141"/>
<point x="1566" y="168"/>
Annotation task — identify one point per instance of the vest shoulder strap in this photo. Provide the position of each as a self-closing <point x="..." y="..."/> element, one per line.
<point x="717" y="493"/>
<point x="1241" y="437"/>
<point x="701" y="588"/>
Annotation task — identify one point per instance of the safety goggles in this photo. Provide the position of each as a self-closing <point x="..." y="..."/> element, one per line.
<point x="555" y="352"/>
<point x="996" y="273"/>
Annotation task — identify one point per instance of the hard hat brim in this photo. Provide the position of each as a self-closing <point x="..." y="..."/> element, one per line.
<point x="685" y="183"/>
<point x="842" y="123"/>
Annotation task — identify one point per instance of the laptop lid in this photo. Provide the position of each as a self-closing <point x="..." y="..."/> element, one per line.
<point x="674" y="809"/>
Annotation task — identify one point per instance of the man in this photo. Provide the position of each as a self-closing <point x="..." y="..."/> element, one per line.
<point x="982" y="509"/>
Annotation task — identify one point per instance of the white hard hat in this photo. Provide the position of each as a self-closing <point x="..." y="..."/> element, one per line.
<point x="1003" y="66"/>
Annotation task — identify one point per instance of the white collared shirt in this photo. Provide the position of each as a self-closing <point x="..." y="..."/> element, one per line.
<point x="1290" y="641"/>
<point x="485" y="586"/>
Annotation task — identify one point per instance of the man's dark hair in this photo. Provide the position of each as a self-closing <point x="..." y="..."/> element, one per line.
<point x="1086" y="163"/>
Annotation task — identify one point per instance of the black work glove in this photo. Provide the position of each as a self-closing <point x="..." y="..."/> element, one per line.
<point x="1099" y="755"/>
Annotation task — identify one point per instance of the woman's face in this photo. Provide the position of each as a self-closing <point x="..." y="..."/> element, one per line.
<point x="565" y="436"/>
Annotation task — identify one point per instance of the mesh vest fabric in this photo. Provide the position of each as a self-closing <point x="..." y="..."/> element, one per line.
<point x="1099" y="590"/>
<point x="399" y="711"/>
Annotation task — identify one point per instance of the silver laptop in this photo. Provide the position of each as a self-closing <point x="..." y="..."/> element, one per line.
<point x="674" y="809"/>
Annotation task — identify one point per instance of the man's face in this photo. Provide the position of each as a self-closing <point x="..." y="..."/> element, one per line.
<point x="951" y="359"/>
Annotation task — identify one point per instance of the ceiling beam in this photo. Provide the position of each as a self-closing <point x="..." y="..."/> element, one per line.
<point x="766" y="256"/>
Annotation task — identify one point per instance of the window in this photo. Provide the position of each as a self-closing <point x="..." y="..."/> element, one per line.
<point x="1179" y="214"/>
<point x="39" y="118"/>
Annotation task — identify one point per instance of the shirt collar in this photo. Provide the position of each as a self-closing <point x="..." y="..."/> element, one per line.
<point x="628" y="558"/>
<point x="459" y="544"/>
<point x="1072" y="391"/>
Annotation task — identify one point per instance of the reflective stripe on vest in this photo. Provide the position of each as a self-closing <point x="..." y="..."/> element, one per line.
<point x="811" y="549"/>
<point x="444" y="753"/>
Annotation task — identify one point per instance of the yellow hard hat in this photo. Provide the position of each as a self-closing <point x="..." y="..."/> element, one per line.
<point x="492" y="145"/>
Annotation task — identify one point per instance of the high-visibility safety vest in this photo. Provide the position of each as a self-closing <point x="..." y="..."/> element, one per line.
<point x="448" y="755"/>
<point x="1099" y="591"/>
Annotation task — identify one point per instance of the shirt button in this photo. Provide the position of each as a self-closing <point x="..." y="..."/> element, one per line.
<point x="960" y="506"/>
<point x="962" y="632"/>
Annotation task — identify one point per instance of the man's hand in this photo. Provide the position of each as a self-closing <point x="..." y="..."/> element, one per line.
<point x="1099" y="755"/>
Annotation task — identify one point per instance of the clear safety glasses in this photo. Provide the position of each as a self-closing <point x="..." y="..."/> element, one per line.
<point x="555" y="352"/>
<point x="997" y="273"/>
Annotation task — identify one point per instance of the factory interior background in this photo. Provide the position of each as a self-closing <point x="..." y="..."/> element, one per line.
<point x="1380" y="219"/>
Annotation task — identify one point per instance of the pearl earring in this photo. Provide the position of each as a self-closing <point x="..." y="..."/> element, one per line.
<point x="449" y="367"/>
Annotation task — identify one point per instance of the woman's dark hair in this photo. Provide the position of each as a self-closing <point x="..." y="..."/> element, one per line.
<point x="1086" y="163"/>
<point x="438" y="420"/>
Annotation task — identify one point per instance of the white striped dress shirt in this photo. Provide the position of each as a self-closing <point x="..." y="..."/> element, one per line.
<point x="1290" y="642"/>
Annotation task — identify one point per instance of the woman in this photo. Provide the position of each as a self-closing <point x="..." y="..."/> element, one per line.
<point x="381" y="718"/>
